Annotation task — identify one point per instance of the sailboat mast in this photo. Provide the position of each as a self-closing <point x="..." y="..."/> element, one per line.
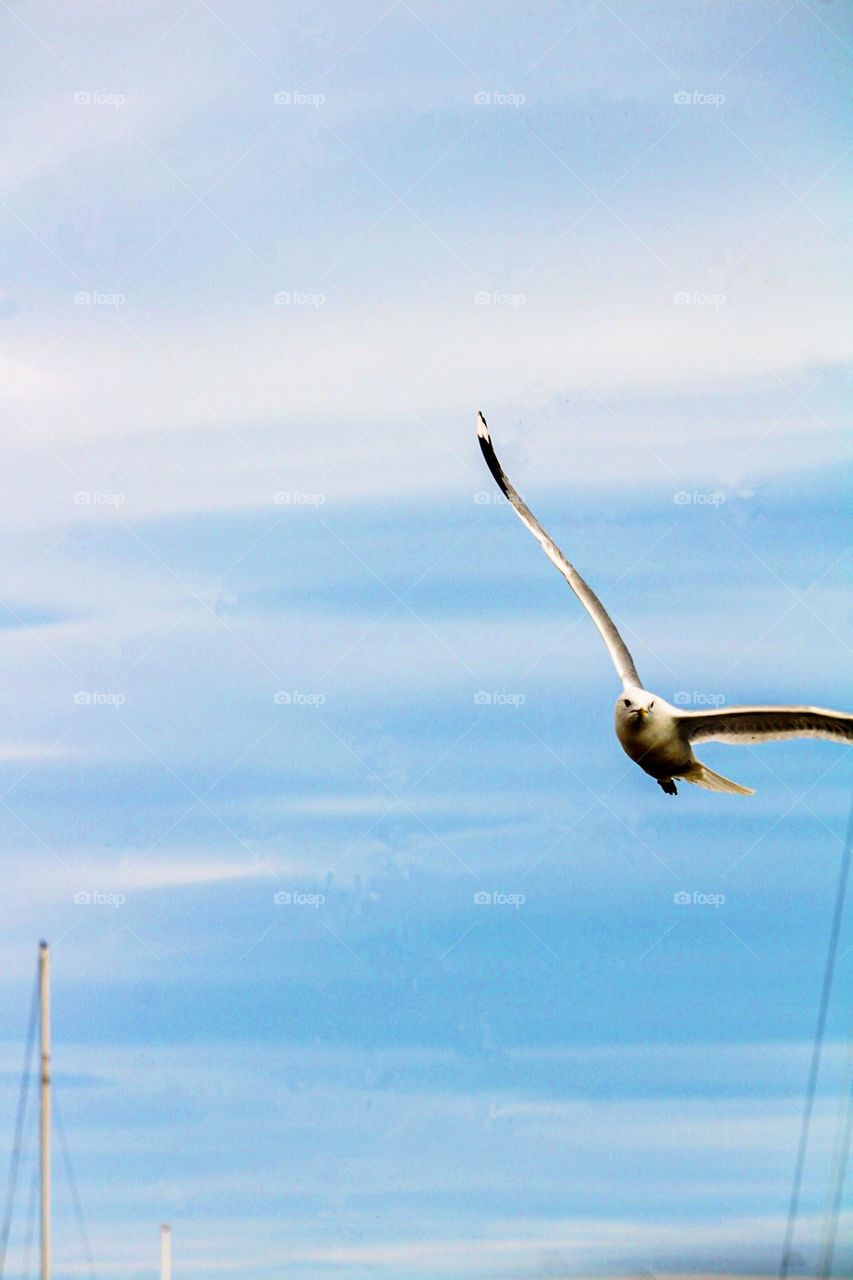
<point x="165" y="1252"/>
<point x="44" y="1105"/>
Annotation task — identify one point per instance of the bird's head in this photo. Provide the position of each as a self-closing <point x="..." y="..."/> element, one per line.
<point x="635" y="707"/>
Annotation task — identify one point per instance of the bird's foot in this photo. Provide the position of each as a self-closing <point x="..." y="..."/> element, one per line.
<point x="667" y="785"/>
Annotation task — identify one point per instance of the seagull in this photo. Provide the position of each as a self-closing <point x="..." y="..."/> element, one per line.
<point x="656" y="735"/>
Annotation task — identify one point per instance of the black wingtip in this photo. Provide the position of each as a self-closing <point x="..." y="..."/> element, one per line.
<point x="488" y="451"/>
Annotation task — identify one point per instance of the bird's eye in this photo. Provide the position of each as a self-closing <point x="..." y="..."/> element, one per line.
<point x="626" y="702"/>
<point x="651" y="704"/>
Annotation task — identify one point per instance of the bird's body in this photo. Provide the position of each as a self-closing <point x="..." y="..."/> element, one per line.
<point x="656" y="735"/>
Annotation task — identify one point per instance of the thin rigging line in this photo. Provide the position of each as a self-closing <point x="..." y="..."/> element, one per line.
<point x="811" y="1084"/>
<point x="31" y="1220"/>
<point x="75" y="1195"/>
<point x="20" y="1118"/>
<point x="839" y="1170"/>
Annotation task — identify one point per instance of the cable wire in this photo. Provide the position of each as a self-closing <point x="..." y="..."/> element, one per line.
<point x="32" y="1214"/>
<point x="811" y="1083"/>
<point x="841" y="1156"/>
<point x="72" y="1183"/>
<point x="20" y="1119"/>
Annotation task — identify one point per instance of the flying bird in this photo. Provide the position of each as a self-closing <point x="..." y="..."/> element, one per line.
<point x="657" y="736"/>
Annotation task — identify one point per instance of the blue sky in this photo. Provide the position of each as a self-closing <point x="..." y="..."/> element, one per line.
<point x="267" y="629"/>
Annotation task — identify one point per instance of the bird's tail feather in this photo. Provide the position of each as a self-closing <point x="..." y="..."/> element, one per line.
<point x="702" y="776"/>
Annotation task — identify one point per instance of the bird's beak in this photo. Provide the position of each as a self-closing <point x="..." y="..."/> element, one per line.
<point x="641" y="713"/>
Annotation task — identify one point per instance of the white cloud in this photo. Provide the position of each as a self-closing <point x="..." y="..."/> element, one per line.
<point x="11" y="752"/>
<point x="132" y="873"/>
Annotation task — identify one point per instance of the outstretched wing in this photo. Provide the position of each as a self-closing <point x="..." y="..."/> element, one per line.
<point x="763" y="724"/>
<point x="622" y="659"/>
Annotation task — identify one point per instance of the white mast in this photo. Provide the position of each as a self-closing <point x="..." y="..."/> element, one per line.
<point x="165" y="1252"/>
<point x="44" y="1108"/>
